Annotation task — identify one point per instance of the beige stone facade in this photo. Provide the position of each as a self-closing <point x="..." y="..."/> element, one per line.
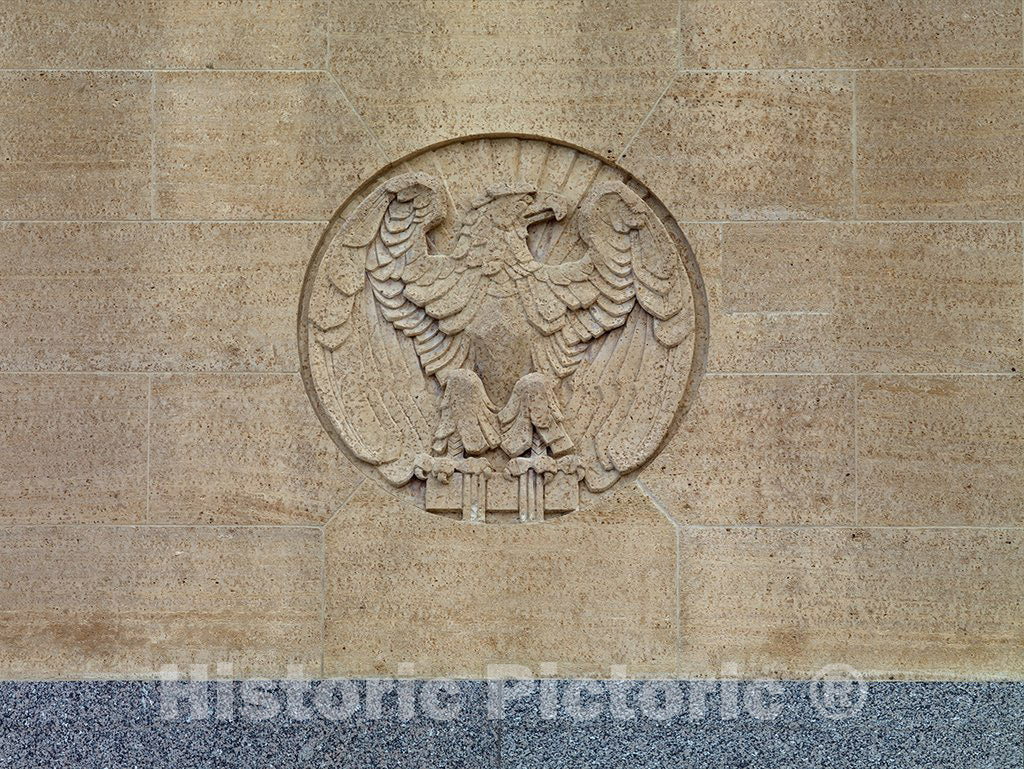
<point x="846" y="487"/>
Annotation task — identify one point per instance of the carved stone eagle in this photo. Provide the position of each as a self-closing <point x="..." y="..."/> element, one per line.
<point x="485" y="359"/>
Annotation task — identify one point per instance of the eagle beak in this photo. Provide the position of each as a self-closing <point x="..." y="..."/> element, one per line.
<point x="546" y="206"/>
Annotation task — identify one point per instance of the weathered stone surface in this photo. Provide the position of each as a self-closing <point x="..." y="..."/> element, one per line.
<point x="761" y="450"/>
<point x="886" y="296"/>
<point x="699" y="153"/>
<point x="931" y="297"/>
<point x="255" y="145"/>
<point x="166" y="170"/>
<point x="161" y="296"/>
<point x="757" y="341"/>
<point x="903" y="603"/>
<point x="781" y="267"/>
<point x="941" y="450"/>
<point x="196" y="34"/>
<point x="940" y="145"/>
<point x="75" y="145"/>
<point x="584" y="72"/>
<point x="125" y="601"/>
<point x="73" y="448"/>
<point x="592" y="590"/>
<point x="851" y="33"/>
<point x="241" y="448"/>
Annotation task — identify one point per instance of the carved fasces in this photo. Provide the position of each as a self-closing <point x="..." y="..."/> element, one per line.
<point x="498" y="379"/>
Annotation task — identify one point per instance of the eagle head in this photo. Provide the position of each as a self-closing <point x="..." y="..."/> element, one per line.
<point x="515" y="207"/>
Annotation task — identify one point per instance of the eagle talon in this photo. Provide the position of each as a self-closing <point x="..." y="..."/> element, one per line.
<point x="545" y="465"/>
<point x="532" y="410"/>
<point x="468" y="425"/>
<point x="444" y="469"/>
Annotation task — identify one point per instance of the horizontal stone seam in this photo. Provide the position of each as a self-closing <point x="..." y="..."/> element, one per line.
<point x="868" y="373"/>
<point x="141" y="70"/>
<point x="852" y="527"/>
<point x="294" y="372"/>
<point x="318" y="527"/>
<point x="323" y="222"/>
<point x="682" y="223"/>
<point x="755" y="70"/>
<point x="682" y="71"/>
<point x="159" y="525"/>
<point x="882" y="675"/>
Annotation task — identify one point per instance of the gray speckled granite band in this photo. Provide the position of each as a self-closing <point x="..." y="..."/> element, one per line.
<point x="552" y="724"/>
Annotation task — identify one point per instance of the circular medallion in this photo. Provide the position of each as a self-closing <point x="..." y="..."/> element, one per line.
<point x="496" y="326"/>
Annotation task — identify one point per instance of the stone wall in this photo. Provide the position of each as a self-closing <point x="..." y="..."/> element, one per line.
<point x="847" y="488"/>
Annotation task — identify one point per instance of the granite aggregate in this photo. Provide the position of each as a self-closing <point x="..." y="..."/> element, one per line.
<point x="92" y="724"/>
<point x="106" y="724"/>
<point x="900" y="725"/>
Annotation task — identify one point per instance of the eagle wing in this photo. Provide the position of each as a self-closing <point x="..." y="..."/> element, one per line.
<point x="613" y="316"/>
<point x="377" y="312"/>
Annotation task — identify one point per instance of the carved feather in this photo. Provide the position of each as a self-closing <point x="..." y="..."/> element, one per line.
<point x="613" y="321"/>
<point x="379" y="346"/>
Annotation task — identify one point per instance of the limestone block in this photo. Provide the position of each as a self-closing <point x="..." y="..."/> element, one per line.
<point x="193" y="34"/>
<point x="940" y="145"/>
<point x="76" y="145"/>
<point x="161" y="296"/>
<point x="904" y="297"/>
<point x="73" y="448"/>
<point x="901" y="603"/>
<point x="241" y="448"/>
<point x="255" y="145"/>
<point x="584" y="72"/>
<point x="125" y="601"/>
<point x="699" y="152"/>
<point x="762" y="450"/>
<point x="755" y="341"/>
<point x="725" y="34"/>
<point x="592" y="589"/>
<point x="941" y="450"/>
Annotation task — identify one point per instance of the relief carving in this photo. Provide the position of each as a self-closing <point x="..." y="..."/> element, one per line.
<point x="490" y="332"/>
